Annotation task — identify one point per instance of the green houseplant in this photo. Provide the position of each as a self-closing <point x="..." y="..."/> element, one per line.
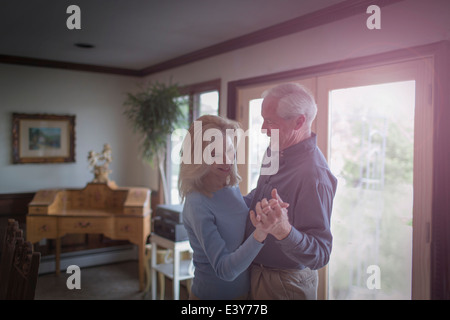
<point x="154" y="111"/>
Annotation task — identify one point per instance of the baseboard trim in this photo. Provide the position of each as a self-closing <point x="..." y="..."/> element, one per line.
<point x="89" y="258"/>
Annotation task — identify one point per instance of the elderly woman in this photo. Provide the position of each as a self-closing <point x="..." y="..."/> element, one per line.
<point x="215" y="213"/>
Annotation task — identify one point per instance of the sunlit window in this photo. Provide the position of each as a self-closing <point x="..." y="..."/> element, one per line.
<point x="372" y="147"/>
<point x="198" y="102"/>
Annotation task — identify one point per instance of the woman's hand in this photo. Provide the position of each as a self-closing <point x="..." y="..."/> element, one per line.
<point x="260" y="233"/>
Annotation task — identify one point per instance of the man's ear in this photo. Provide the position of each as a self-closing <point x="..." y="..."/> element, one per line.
<point x="300" y="121"/>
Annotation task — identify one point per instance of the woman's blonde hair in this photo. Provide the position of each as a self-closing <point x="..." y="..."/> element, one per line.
<point x="192" y="174"/>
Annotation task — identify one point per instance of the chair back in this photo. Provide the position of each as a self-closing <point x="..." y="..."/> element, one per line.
<point x="24" y="272"/>
<point x="11" y="236"/>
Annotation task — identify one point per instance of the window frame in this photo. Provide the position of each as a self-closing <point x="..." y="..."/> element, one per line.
<point x="193" y="91"/>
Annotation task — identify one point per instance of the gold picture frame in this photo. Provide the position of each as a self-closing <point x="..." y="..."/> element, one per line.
<point x="43" y="138"/>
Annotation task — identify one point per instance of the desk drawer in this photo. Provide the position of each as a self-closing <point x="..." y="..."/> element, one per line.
<point x="85" y="225"/>
<point x="128" y="227"/>
<point x="39" y="228"/>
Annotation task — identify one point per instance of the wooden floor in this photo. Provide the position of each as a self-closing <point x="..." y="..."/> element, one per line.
<point x="117" y="281"/>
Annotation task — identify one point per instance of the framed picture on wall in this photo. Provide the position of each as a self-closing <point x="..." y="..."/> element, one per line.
<point x="43" y="138"/>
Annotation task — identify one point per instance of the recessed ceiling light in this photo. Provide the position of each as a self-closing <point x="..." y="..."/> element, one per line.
<point x="84" y="45"/>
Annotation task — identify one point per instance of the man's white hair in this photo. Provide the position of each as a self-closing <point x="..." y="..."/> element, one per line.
<point x="293" y="100"/>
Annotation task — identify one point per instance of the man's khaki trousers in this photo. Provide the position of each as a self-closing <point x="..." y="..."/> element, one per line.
<point x="278" y="284"/>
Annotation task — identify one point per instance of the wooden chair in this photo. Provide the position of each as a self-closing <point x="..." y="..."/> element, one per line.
<point x="24" y="272"/>
<point x="19" y="265"/>
<point x="11" y="236"/>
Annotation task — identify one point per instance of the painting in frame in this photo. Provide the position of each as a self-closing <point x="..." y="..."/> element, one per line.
<point x="43" y="138"/>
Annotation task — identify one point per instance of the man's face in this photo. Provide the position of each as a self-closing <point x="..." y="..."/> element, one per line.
<point x="286" y="128"/>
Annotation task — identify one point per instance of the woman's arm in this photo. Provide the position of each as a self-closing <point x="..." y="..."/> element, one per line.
<point x="227" y="265"/>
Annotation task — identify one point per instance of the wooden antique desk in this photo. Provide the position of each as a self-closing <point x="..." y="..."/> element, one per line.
<point x="118" y="213"/>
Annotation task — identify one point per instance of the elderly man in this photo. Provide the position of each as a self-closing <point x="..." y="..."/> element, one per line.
<point x="300" y="243"/>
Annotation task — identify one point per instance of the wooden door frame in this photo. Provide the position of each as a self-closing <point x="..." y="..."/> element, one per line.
<point x="418" y="71"/>
<point x="440" y="52"/>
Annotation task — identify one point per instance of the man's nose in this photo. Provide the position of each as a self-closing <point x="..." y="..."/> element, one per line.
<point x="265" y="129"/>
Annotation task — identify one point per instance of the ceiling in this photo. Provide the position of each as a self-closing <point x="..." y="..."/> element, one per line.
<point x="136" y="34"/>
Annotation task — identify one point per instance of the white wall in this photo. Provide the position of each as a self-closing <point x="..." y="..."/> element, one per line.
<point x="97" y="102"/>
<point x="97" y="99"/>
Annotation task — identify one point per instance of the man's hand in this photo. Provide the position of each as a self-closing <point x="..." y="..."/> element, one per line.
<point x="271" y="216"/>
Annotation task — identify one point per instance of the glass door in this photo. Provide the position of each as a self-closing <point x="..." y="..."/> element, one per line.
<point x="371" y="154"/>
<point x="376" y="127"/>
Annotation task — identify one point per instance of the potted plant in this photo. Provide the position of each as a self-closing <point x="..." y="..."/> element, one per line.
<point x="155" y="113"/>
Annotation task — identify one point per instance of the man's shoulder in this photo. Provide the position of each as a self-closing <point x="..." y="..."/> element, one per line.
<point x="314" y="169"/>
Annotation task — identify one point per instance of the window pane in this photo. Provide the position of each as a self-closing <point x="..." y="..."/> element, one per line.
<point x="209" y="103"/>
<point x="174" y="153"/>
<point x="372" y="141"/>
<point x="185" y="110"/>
<point x="257" y="141"/>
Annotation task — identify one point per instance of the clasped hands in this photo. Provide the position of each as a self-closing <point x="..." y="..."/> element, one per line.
<point x="271" y="218"/>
